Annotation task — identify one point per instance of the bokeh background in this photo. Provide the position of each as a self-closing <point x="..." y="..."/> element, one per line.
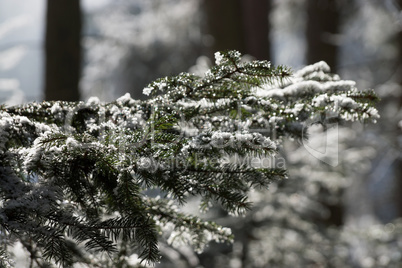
<point x="323" y="216"/>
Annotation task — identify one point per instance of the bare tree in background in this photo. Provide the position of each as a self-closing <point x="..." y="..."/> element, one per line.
<point x="62" y="50"/>
<point x="323" y="18"/>
<point x="398" y="68"/>
<point x="399" y="44"/>
<point x="322" y="26"/>
<point x="256" y="27"/>
<point x="242" y="25"/>
<point x="223" y="24"/>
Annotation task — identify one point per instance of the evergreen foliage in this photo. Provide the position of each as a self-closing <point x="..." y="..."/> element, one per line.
<point x="80" y="181"/>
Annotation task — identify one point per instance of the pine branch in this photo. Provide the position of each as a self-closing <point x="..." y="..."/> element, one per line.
<point x="76" y="176"/>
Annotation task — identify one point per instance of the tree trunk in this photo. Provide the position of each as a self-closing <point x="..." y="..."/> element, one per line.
<point x="241" y="25"/>
<point x="322" y="27"/>
<point x="256" y="28"/>
<point x="62" y="50"/>
<point x="397" y="192"/>
<point x="223" y="18"/>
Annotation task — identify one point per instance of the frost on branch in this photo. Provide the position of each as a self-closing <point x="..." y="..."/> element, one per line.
<point x="79" y="179"/>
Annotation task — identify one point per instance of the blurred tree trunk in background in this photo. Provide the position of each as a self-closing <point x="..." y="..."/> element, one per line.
<point x="323" y="18"/>
<point x="256" y="28"/>
<point x="62" y="50"/>
<point x="399" y="44"/>
<point x="397" y="191"/>
<point x="322" y="26"/>
<point x="223" y="19"/>
<point x="242" y="25"/>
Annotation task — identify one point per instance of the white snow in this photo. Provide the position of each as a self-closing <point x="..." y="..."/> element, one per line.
<point x="93" y="101"/>
<point x="55" y="108"/>
<point x="218" y="58"/>
<point x="319" y="66"/>
<point x="125" y="99"/>
<point x="71" y="142"/>
<point x="147" y="91"/>
<point x="302" y="87"/>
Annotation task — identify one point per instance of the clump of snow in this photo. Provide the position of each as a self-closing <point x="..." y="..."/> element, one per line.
<point x="373" y="112"/>
<point x="42" y="127"/>
<point x="125" y="99"/>
<point x="204" y="103"/>
<point x="93" y="101"/>
<point x="220" y="139"/>
<point x="304" y="87"/>
<point x="319" y="66"/>
<point x="342" y="101"/>
<point x="218" y="58"/>
<point x="161" y="85"/>
<point x="147" y="91"/>
<point x="298" y="107"/>
<point x="71" y="142"/>
<point x="55" y="108"/>
<point x="23" y="119"/>
<point x="320" y="100"/>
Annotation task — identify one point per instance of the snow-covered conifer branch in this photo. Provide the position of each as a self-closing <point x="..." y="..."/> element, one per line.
<point x="80" y="175"/>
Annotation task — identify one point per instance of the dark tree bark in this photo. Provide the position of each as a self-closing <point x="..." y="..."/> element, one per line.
<point x="397" y="192"/>
<point x="241" y="25"/>
<point x="62" y="50"/>
<point x="223" y="18"/>
<point x="256" y="28"/>
<point x="323" y="17"/>
<point x="322" y="24"/>
<point x="399" y="44"/>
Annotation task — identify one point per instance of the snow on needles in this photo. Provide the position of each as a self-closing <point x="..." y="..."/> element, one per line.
<point x="311" y="79"/>
<point x="314" y="87"/>
<point x="220" y="139"/>
<point x="304" y="87"/>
